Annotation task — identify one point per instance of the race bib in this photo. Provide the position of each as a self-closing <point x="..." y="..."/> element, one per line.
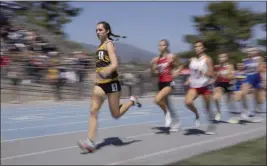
<point x="162" y="67"/>
<point x="196" y="73"/>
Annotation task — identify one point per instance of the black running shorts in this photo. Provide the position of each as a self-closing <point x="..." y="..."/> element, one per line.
<point x="227" y="87"/>
<point x="110" y="87"/>
<point x="162" y="85"/>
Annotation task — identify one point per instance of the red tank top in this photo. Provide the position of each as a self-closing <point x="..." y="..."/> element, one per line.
<point x="164" y="70"/>
<point x="221" y="70"/>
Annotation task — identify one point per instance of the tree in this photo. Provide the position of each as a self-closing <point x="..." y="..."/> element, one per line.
<point x="225" y="27"/>
<point x="52" y="15"/>
<point x="261" y="19"/>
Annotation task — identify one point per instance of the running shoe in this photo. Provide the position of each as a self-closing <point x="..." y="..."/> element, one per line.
<point x="136" y="101"/>
<point x="197" y="123"/>
<point x="175" y="127"/>
<point x="218" y="116"/>
<point x="233" y="121"/>
<point x="244" y="116"/>
<point x="168" y="119"/>
<point x="87" y="145"/>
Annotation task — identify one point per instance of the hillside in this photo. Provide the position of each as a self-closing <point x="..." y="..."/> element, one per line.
<point x="64" y="45"/>
<point x="128" y="52"/>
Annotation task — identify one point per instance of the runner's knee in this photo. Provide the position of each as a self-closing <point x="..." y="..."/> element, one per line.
<point x="188" y="102"/>
<point x="215" y="97"/>
<point x="93" y="114"/>
<point x="157" y="101"/>
<point x="115" y="115"/>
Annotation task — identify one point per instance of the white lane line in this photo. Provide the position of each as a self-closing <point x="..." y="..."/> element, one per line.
<point x="70" y="147"/>
<point x="69" y="116"/>
<point x="147" y="155"/>
<point x="69" y="123"/>
<point x="45" y="113"/>
<point x="59" y="109"/>
<point x="73" y="132"/>
<point x="219" y="138"/>
<point x="64" y="103"/>
<point x="65" y="133"/>
<point x="77" y="112"/>
<point x="36" y="153"/>
<point x="23" y="109"/>
<point x="65" y="111"/>
<point x="104" y="110"/>
<point x="19" y="109"/>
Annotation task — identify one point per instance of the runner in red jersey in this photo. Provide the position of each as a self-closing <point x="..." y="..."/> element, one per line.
<point x="163" y="66"/>
<point x="224" y="73"/>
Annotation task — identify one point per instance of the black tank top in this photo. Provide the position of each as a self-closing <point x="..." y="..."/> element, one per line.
<point x="102" y="61"/>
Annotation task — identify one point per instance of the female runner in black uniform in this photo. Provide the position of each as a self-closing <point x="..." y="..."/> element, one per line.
<point x="106" y="84"/>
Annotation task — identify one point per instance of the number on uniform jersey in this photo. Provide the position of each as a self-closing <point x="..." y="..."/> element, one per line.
<point x="101" y="55"/>
<point x="114" y="87"/>
<point x="196" y="73"/>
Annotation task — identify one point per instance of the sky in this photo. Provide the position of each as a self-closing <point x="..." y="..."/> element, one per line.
<point x="145" y="23"/>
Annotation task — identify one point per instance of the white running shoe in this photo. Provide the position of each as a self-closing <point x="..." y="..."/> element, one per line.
<point x="244" y="116"/>
<point x="175" y="127"/>
<point x="197" y="123"/>
<point x="168" y="119"/>
<point x="218" y="116"/>
<point x="233" y="121"/>
<point x="135" y="100"/>
<point x="87" y="145"/>
<point x="257" y="110"/>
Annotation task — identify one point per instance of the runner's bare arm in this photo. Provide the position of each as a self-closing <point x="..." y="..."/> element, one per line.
<point x="177" y="72"/>
<point x="153" y="66"/>
<point x="231" y="73"/>
<point x="261" y="62"/>
<point x="210" y="72"/>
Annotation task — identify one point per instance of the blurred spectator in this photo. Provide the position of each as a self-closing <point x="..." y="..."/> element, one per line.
<point x="129" y="80"/>
<point x="140" y="83"/>
<point x="55" y="77"/>
<point x="80" y="67"/>
<point x="40" y="62"/>
<point x="4" y="64"/>
<point x="3" y="19"/>
<point x="15" y="74"/>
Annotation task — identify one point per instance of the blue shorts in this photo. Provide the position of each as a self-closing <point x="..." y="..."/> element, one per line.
<point x="254" y="80"/>
<point x="238" y="84"/>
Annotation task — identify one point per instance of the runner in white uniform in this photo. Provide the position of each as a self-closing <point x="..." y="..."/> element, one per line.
<point x="201" y="72"/>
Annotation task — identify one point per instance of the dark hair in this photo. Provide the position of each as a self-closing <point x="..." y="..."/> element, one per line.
<point x="199" y="41"/>
<point x="202" y="42"/>
<point x="237" y="64"/>
<point x="222" y="52"/>
<point x="167" y="43"/>
<point x="108" y="27"/>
